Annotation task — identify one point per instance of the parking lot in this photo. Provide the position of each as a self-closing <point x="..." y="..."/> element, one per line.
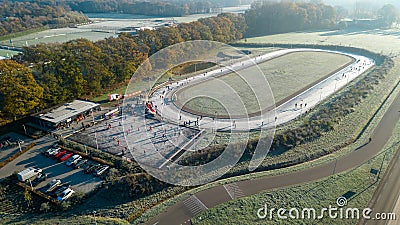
<point x="9" y="145"/>
<point x="78" y="180"/>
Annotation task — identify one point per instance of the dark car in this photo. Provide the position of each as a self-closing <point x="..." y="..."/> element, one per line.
<point x="59" y="190"/>
<point x="92" y="168"/>
<point x="52" y="185"/>
<point x="80" y="164"/>
<point x="39" y="178"/>
<point x="87" y="165"/>
<point x="98" y="172"/>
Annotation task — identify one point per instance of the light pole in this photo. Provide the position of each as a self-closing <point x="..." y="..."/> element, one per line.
<point x="95" y="136"/>
<point x="30" y="182"/>
<point x="23" y="125"/>
<point x="92" y="116"/>
<point x="335" y="86"/>
<point x="320" y="94"/>
<point x="348" y="78"/>
<point x="334" y="168"/>
<point x="301" y="107"/>
<point x="215" y="122"/>
<point x="380" y="169"/>
<point x="94" y="214"/>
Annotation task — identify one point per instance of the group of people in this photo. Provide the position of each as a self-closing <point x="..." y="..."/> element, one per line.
<point x="300" y="105"/>
<point x="189" y="122"/>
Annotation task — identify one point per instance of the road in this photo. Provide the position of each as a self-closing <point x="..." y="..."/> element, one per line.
<point x="387" y="197"/>
<point x="397" y="211"/>
<point x="182" y="211"/>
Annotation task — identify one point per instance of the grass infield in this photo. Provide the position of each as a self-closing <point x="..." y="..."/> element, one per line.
<point x="287" y="75"/>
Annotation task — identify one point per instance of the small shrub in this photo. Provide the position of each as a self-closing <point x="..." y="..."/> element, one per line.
<point x="45" y="207"/>
<point x="77" y="197"/>
<point x="112" y="175"/>
<point x="65" y="205"/>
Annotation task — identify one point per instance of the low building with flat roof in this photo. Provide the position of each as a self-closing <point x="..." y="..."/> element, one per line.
<point x="65" y="114"/>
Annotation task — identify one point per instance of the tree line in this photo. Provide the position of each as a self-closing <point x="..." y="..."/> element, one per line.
<point x="16" y="16"/>
<point x="83" y="69"/>
<point x="271" y="18"/>
<point x="154" y="8"/>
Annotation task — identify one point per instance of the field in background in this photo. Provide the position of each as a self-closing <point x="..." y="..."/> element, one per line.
<point x="379" y="40"/>
<point x="56" y="35"/>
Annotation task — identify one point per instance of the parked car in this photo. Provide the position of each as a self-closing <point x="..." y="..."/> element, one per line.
<point x="5" y="142"/>
<point x="60" y="154"/>
<point x="66" y="156"/>
<point x="46" y="152"/>
<point x="80" y="164"/>
<point x="65" y="194"/>
<point x="75" y="162"/>
<point x="56" y="189"/>
<point x="74" y="159"/>
<point x="87" y="165"/>
<point x="39" y="178"/>
<point x="52" y="185"/>
<point x="52" y="151"/>
<point x="59" y="190"/>
<point x="101" y="170"/>
<point x="92" y="168"/>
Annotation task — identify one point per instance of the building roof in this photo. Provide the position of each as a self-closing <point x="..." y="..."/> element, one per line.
<point x="67" y="111"/>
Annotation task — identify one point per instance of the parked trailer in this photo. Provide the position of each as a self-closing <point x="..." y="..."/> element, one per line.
<point x="28" y="173"/>
<point x="114" y="97"/>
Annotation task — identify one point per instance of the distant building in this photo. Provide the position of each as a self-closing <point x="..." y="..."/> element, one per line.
<point x="65" y="114"/>
<point x="362" y="23"/>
